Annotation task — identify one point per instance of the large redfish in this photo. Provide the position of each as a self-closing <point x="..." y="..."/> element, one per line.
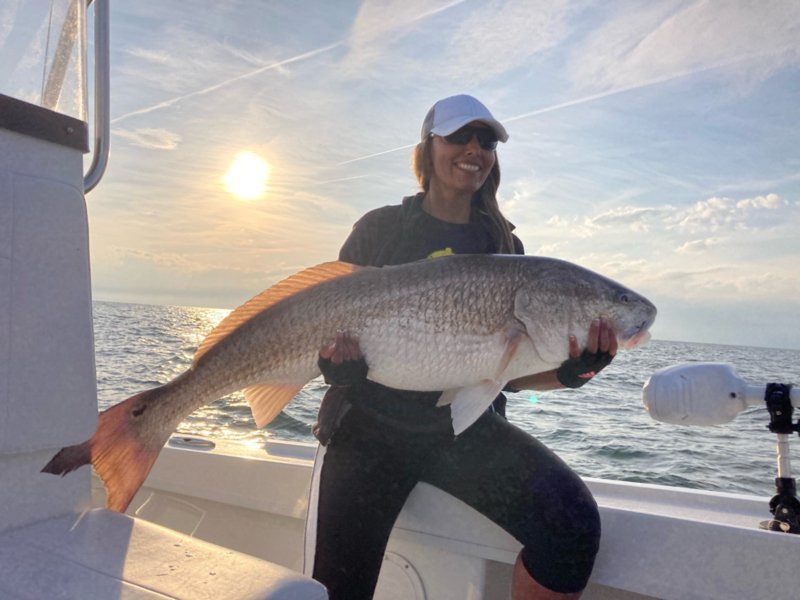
<point x="463" y="324"/>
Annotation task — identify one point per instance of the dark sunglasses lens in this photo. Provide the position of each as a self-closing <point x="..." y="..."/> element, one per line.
<point x="460" y="137"/>
<point x="486" y="137"/>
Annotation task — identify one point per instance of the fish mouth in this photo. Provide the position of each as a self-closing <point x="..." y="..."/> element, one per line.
<point x="636" y="335"/>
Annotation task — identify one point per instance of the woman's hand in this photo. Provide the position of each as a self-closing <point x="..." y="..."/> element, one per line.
<point x="601" y="348"/>
<point x="342" y="363"/>
<point x="601" y="338"/>
<point x="344" y="347"/>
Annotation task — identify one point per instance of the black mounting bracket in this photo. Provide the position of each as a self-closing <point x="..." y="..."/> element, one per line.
<point x="785" y="506"/>
<point x="779" y="405"/>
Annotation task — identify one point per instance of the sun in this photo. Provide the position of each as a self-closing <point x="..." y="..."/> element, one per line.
<point x="247" y="176"/>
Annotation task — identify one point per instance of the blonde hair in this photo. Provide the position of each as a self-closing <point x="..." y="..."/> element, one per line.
<point x="484" y="202"/>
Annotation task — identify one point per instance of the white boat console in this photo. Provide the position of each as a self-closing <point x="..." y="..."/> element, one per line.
<point x="50" y="539"/>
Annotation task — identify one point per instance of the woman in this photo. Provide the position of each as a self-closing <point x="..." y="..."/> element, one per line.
<point x="378" y="442"/>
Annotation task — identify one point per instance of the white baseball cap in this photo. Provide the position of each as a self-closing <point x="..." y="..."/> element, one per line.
<point x="451" y="114"/>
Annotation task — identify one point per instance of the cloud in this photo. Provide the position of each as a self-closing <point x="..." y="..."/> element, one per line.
<point x="519" y="199"/>
<point x="160" y="57"/>
<point x="162" y="139"/>
<point x="627" y="215"/>
<point x="550" y="249"/>
<point x="748" y="41"/>
<point x="625" y="268"/>
<point x="476" y="44"/>
<point x="557" y="221"/>
<point x="379" y="24"/>
<point x="504" y="35"/>
<point x="700" y="245"/>
<point x="756" y="280"/>
<point x="372" y="23"/>
<point x="711" y="214"/>
<point x="633" y="218"/>
<point x="770" y="201"/>
<point x="715" y="213"/>
<point x="763" y="184"/>
<point x="669" y="226"/>
<point x="768" y="284"/>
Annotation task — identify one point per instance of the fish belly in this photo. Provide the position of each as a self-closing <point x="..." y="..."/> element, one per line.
<point x="441" y="362"/>
<point x="429" y="363"/>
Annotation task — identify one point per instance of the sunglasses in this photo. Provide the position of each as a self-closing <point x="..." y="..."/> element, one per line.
<point x="487" y="139"/>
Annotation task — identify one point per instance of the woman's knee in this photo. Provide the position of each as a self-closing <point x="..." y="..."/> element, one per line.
<point x="562" y="536"/>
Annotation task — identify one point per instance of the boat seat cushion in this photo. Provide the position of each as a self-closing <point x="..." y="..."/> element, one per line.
<point x="103" y="554"/>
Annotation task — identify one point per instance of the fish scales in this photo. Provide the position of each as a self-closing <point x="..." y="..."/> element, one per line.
<point x="431" y="327"/>
<point x="415" y="329"/>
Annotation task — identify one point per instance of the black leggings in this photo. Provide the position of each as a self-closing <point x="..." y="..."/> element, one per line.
<point x="369" y="469"/>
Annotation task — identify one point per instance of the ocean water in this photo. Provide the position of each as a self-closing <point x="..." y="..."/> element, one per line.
<point x="601" y="430"/>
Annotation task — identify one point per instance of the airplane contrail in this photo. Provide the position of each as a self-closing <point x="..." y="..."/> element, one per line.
<point x="662" y="79"/>
<point x="376" y="154"/>
<point x="167" y="103"/>
<point x="335" y="180"/>
<point x="228" y="81"/>
<point x="437" y="10"/>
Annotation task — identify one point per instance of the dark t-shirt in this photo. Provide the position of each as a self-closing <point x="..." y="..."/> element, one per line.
<point x="428" y="238"/>
<point x="401" y="234"/>
<point x="404" y="233"/>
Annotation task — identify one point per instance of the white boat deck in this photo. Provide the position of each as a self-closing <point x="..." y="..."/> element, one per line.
<point x="657" y="541"/>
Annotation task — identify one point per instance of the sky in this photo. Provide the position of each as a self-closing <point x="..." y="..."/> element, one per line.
<point x="655" y="142"/>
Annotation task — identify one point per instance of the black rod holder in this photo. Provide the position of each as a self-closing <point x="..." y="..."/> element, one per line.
<point x="784" y="505"/>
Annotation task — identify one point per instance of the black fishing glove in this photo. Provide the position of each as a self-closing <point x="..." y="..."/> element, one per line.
<point x="578" y="370"/>
<point x="347" y="372"/>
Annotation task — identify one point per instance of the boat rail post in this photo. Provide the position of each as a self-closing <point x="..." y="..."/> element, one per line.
<point x="784" y="505"/>
<point x="102" y="96"/>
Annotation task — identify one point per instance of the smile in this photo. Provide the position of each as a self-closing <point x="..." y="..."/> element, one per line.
<point x="468" y="167"/>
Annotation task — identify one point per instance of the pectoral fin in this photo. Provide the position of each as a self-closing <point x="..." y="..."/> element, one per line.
<point x="513" y="337"/>
<point x="469" y="403"/>
<point x="267" y="400"/>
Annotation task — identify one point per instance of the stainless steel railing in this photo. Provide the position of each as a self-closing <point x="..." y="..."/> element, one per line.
<point x="102" y="96"/>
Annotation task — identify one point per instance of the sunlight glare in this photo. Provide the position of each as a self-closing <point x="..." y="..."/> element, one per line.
<point x="247" y="176"/>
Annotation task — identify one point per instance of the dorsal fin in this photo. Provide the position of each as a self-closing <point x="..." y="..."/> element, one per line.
<point x="283" y="289"/>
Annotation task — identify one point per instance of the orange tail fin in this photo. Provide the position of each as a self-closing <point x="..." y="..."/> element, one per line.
<point x="115" y="450"/>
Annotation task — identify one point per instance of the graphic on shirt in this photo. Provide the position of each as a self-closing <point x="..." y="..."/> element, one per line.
<point x="446" y="252"/>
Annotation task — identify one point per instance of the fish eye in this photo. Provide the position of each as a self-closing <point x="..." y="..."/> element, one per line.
<point x="624" y="298"/>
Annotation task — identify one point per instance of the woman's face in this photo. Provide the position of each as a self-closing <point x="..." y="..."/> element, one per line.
<point x="461" y="168"/>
